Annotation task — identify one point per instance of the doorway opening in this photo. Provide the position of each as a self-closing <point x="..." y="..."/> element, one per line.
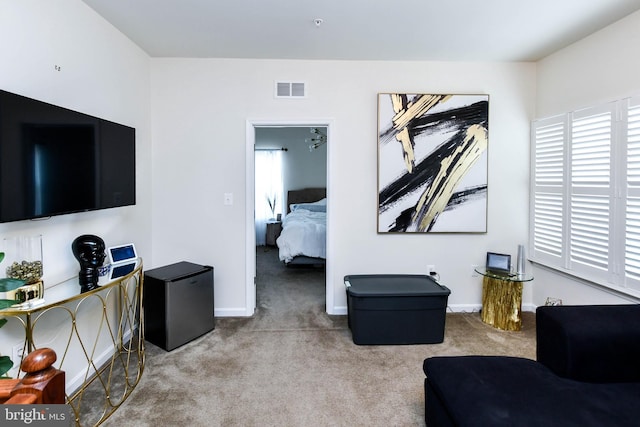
<point x="303" y="165"/>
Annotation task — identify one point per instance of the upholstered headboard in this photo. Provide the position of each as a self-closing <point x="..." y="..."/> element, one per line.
<point x="305" y="195"/>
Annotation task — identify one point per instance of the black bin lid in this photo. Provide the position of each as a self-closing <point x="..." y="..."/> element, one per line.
<point x="371" y="285"/>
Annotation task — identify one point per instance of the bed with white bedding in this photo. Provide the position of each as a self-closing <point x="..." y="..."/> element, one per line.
<point x="304" y="228"/>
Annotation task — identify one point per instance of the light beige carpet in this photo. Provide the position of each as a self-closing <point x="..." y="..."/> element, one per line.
<point x="293" y="365"/>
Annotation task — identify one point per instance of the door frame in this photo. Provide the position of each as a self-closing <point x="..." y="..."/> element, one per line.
<point x="250" y="263"/>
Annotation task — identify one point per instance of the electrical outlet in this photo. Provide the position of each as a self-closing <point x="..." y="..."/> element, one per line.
<point x="16" y="355"/>
<point x="431" y="269"/>
<point x="474" y="273"/>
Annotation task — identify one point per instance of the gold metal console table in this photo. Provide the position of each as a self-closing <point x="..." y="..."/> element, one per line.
<point x="502" y="299"/>
<point x="102" y="329"/>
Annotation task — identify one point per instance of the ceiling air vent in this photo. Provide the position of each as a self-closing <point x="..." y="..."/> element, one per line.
<point x="290" y="90"/>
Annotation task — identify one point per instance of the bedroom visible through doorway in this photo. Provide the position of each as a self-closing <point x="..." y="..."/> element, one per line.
<point x="287" y="158"/>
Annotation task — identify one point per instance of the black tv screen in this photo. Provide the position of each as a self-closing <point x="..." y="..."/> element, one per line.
<point x="55" y="161"/>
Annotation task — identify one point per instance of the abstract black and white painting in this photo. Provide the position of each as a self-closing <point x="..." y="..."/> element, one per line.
<point x="432" y="163"/>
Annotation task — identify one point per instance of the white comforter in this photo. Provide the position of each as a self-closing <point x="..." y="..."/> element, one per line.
<point x="303" y="233"/>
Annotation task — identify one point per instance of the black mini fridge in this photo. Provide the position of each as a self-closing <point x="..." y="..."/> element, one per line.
<point x="178" y="303"/>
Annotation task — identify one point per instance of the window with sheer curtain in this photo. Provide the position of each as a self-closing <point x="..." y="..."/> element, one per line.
<point x="268" y="189"/>
<point x="585" y="199"/>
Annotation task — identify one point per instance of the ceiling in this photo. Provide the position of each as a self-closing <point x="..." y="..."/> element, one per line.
<point x="447" y="30"/>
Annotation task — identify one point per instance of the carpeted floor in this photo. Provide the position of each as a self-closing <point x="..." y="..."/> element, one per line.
<point x="293" y="365"/>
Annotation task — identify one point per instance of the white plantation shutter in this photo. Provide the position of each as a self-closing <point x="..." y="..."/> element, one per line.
<point x="590" y="231"/>
<point x="548" y="224"/>
<point x="591" y="190"/>
<point x="591" y="149"/>
<point x="632" y="243"/>
<point x="631" y="133"/>
<point x="547" y="232"/>
<point x="585" y="200"/>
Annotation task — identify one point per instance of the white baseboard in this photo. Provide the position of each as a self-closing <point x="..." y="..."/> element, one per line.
<point x="338" y="311"/>
<point x="79" y="379"/>
<point x="342" y="310"/>
<point x="464" y="308"/>
<point x="473" y="308"/>
<point x="232" y="312"/>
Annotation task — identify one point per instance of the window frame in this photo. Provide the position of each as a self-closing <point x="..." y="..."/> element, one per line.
<point x="610" y="256"/>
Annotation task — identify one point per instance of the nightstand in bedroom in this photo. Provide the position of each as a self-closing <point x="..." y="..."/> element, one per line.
<point x="274" y="228"/>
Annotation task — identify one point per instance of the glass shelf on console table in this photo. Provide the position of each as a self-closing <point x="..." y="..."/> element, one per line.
<point x="101" y="329"/>
<point x="502" y="299"/>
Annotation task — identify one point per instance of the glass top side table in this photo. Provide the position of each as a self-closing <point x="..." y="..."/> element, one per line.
<point x="511" y="277"/>
<point x="502" y="299"/>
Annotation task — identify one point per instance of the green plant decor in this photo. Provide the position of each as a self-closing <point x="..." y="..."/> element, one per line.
<point x="5" y="361"/>
<point x="7" y="284"/>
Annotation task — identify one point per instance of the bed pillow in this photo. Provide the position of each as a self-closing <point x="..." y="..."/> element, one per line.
<point x="319" y="206"/>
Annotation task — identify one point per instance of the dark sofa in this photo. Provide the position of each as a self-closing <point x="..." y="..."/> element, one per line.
<point x="587" y="373"/>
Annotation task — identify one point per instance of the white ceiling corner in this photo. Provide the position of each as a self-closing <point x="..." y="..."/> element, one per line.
<point x="452" y="30"/>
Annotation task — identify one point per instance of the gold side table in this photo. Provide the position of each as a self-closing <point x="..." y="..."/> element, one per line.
<point x="502" y="299"/>
<point x="102" y="328"/>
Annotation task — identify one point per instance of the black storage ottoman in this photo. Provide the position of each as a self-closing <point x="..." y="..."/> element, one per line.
<point x="387" y="309"/>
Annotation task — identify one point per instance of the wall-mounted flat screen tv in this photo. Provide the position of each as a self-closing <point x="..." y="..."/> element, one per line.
<point x="56" y="161"/>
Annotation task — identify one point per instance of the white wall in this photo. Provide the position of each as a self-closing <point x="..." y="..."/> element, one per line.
<point x="199" y="112"/>
<point x="102" y="74"/>
<point x="599" y="68"/>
